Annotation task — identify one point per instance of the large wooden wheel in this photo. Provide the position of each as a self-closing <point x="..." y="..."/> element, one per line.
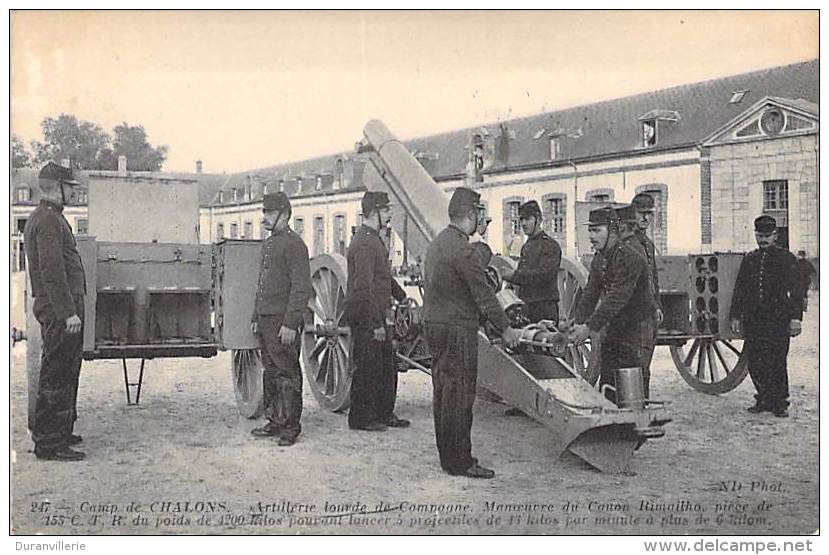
<point x="710" y="364"/>
<point x="247" y="381"/>
<point x="572" y="279"/>
<point x="326" y="342"/>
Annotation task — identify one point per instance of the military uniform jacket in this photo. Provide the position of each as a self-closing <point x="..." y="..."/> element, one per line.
<point x="55" y="266"/>
<point x="621" y="286"/>
<point x="768" y="287"/>
<point x="284" y="279"/>
<point x="370" y="287"/>
<point x="537" y="272"/>
<point x="649" y="250"/>
<point x="455" y="290"/>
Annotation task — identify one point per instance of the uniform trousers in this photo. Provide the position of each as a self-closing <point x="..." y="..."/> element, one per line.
<point x="454" y="376"/>
<point x="620" y="349"/>
<point x="281" y="377"/>
<point x="543" y="310"/>
<point x="767" y="348"/>
<point x="649" y="329"/>
<point x="60" y="369"/>
<point x="374" y="385"/>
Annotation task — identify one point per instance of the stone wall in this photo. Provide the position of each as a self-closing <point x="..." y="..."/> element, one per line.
<point x="737" y="175"/>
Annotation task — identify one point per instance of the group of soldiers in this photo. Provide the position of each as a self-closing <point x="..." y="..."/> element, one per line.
<point x="620" y="304"/>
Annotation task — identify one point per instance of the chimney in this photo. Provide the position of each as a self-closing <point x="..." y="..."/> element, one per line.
<point x="122" y="166"/>
<point x="65" y="162"/>
<point x="198" y="166"/>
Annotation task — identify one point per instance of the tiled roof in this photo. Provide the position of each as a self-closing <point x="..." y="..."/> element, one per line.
<point x="602" y="129"/>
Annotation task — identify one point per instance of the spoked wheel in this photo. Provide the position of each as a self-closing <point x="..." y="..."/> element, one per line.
<point x="710" y="364"/>
<point x="326" y="342"/>
<point x="572" y="279"/>
<point x="247" y="381"/>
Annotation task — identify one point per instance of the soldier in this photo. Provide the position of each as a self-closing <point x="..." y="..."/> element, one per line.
<point x="58" y="287"/>
<point x="630" y="222"/>
<point x="766" y="308"/>
<point x="807" y="274"/>
<point x="370" y="290"/>
<point x="620" y="299"/>
<point x="537" y="272"/>
<point x="455" y="296"/>
<point x="281" y="301"/>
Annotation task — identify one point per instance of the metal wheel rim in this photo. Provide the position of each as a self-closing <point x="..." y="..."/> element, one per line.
<point x="326" y="359"/>
<point x="710" y="364"/>
<point x="572" y="279"/>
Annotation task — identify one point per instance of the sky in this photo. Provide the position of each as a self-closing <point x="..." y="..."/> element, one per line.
<point x="246" y="90"/>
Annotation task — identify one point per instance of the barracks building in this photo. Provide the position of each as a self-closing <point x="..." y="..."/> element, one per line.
<point x="714" y="155"/>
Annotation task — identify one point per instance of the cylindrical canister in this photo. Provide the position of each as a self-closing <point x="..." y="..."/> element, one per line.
<point x="630" y="390"/>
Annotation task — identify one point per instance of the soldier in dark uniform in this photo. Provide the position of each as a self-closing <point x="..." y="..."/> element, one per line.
<point x="367" y="309"/>
<point x="766" y="308"/>
<point x="630" y="221"/>
<point x="537" y="272"/>
<point x="58" y="287"/>
<point x="621" y="298"/>
<point x="455" y="296"/>
<point x="281" y="301"/>
<point x="807" y="274"/>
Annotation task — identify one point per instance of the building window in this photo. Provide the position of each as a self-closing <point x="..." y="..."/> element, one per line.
<point x="659" y="224"/>
<point x="220" y="232"/>
<point x="318" y="186"/>
<point x="248" y="230"/>
<point x="513" y="238"/>
<point x="82" y="197"/>
<point x="248" y="191"/>
<point x="234" y="231"/>
<point x="23" y="194"/>
<point x="82" y="226"/>
<point x="554" y="214"/>
<point x="600" y="195"/>
<point x="281" y="185"/>
<point x="555" y="148"/>
<point x="319" y="235"/>
<point x="649" y="133"/>
<point x="299" y="227"/>
<point x="776" y="195"/>
<point x="339" y="234"/>
<point x="221" y="197"/>
<point x="298" y="184"/>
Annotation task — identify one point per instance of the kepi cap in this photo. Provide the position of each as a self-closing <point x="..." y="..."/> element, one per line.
<point x="602" y="216"/>
<point x="528" y="209"/>
<point x="627" y="213"/>
<point x="765" y="224"/>
<point x="463" y="199"/>
<point x="643" y="202"/>
<point x="276" y="201"/>
<point x="373" y="200"/>
<point x="57" y="173"/>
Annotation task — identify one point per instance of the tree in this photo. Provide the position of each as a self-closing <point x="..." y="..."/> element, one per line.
<point x="131" y="141"/>
<point x="68" y="137"/>
<point x="20" y="157"/>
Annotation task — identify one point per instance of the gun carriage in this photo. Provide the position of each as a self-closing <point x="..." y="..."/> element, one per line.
<point x="178" y="299"/>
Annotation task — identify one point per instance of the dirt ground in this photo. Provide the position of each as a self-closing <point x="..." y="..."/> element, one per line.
<point x="185" y="463"/>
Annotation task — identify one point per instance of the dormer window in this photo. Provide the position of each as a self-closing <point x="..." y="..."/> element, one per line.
<point x="221" y="197"/>
<point x="318" y="186"/>
<point x="281" y="185"/>
<point x="649" y="133"/>
<point x="23" y="194"/>
<point x="555" y="148"/>
<point x="737" y="97"/>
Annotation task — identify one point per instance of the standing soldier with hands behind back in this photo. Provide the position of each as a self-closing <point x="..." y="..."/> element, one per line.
<point x="370" y="289"/>
<point x="766" y="308"/>
<point x="281" y="301"/>
<point x="537" y="271"/>
<point x="455" y="296"/>
<point x="58" y="287"/>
